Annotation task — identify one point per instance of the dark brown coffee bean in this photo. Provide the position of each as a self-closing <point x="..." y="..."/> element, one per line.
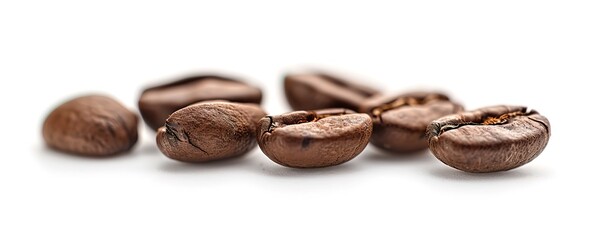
<point x="157" y="103"/>
<point x="489" y="139"/>
<point x="311" y="139"/>
<point x="209" y="131"/>
<point x="399" y="121"/>
<point x="91" y="125"/>
<point x="318" y="91"/>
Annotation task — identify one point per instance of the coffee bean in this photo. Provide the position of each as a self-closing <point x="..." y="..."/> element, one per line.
<point x="157" y="103"/>
<point x="319" y="90"/>
<point x="311" y="139"/>
<point x="91" y="125"/>
<point x="490" y="139"/>
<point x="209" y="131"/>
<point x="399" y="121"/>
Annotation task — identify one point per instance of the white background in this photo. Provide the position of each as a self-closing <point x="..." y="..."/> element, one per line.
<point x="547" y="55"/>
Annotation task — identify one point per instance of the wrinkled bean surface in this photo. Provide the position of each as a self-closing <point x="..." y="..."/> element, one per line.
<point x="209" y="131"/>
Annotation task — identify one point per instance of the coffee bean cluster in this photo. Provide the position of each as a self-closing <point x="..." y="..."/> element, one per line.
<point x="210" y="117"/>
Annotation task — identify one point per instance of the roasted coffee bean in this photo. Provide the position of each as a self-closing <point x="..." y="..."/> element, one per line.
<point x="91" y="125"/>
<point x="312" y="139"/>
<point x="210" y="131"/>
<point x="157" y="103"/>
<point x="399" y="122"/>
<point x="489" y="139"/>
<point x="313" y="91"/>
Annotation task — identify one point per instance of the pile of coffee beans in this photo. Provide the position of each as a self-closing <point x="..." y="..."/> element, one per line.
<point x="210" y="117"/>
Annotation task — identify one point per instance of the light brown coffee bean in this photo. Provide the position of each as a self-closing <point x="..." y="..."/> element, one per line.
<point x="92" y="125"/>
<point x="490" y="139"/>
<point x="209" y="131"/>
<point x="311" y="139"/>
